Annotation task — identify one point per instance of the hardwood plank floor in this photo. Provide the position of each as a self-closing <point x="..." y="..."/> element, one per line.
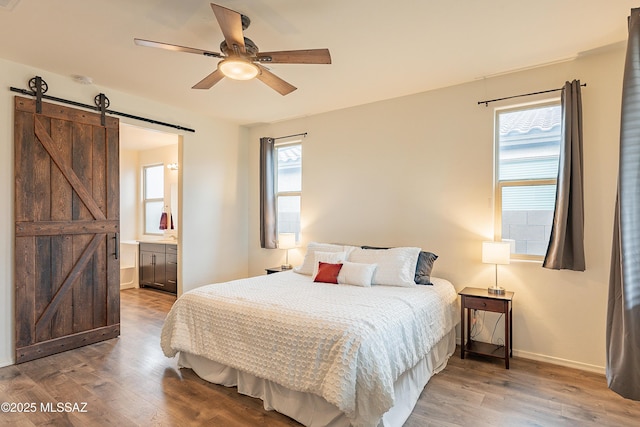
<point x="128" y="382"/>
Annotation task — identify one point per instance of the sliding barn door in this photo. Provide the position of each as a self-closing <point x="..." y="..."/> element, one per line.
<point x="67" y="273"/>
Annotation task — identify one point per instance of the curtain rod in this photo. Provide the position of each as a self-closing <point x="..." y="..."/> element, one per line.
<point x="291" y="136"/>
<point x="39" y="93"/>
<point x="486" y="103"/>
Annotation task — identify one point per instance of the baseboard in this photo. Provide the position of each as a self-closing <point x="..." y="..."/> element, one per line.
<point x="561" y="362"/>
<point x="556" y="361"/>
<point x="4" y="363"/>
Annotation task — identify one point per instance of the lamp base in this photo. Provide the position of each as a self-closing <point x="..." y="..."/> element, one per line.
<point x="286" y="266"/>
<point x="496" y="290"/>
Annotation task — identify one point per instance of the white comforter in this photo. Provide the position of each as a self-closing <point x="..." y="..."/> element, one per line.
<point x="347" y="344"/>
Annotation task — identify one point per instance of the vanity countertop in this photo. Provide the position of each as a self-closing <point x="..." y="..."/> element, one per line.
<point x="161" y="241"/>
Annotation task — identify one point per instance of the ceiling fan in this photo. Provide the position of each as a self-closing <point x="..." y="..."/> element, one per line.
<point x="241" y="59"/>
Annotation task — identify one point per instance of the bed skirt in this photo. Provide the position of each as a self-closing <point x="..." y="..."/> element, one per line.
<point x="312" y="410"/>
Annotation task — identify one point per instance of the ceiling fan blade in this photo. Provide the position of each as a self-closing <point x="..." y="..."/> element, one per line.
<point x="176" y="48"/>
<point x="275" y="82"/>
<point x="308" y="56"/>
<point x="209" y="81"/>
<point x="230" y="23"/>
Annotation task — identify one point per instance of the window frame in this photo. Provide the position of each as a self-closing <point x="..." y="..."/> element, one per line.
<point x="500" y="185"/>
<point x="279" y="194"/>
<point x="145" y="201"/>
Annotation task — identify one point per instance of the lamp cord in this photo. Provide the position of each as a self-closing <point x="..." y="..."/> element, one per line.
<point x="494" y="331"/>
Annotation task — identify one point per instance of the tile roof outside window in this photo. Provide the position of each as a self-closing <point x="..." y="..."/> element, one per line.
<point x="530" y="121"/>
<point x="290" y="154"/>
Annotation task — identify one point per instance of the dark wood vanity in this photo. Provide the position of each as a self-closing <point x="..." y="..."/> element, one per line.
<point x="159" y="266"/>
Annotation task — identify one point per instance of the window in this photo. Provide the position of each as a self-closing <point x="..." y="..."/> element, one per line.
<point x="527" y="154"/>
<point x="153" y="197"/>
<point x="288" y="168"/>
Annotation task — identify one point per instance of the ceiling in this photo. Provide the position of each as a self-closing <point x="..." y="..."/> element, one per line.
<point x="139" y="138"/>
<point x="380" y="49"/>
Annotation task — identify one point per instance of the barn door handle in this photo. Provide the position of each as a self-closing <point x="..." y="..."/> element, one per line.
<point x="117" y="239"/>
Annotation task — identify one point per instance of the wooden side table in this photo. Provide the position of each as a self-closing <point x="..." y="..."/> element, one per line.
<point x="481" y="299"/>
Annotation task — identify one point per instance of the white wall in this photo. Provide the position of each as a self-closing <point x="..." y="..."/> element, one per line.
<point x="213" y="197"/>
<point x="129" y="193"/>
<point x="418" y="170"/>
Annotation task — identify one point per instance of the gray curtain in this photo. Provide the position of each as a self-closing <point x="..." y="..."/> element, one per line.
<point x="566" y="245"/>
<point x="268" y="238"/>
<point x="623" y="311"/>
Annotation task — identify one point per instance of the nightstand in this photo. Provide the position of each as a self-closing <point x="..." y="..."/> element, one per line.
<point x="276" y="270"/>
<point x="481" y="299"/>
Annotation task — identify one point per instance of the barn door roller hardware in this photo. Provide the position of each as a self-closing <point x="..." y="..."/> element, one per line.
<point x="38" y="88"/>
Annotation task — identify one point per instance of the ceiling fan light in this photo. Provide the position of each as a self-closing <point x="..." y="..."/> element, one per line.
<point x="238" y="69"/>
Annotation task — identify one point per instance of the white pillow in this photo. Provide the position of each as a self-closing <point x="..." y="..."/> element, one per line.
<point x="396" y="266"/>
<point x="308" y="264"/>
<point x="328" y="257"/>
<point x="348" y="249"/>
<point x="356" y="274"/>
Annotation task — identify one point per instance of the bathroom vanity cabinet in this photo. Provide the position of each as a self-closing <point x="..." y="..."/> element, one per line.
<point x="159" y="266"/>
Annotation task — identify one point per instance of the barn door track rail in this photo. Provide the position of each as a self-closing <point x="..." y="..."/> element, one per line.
<point x="38" y="88"/>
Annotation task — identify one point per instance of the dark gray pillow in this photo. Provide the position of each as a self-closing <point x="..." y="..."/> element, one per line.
<point x="423" y="267"/>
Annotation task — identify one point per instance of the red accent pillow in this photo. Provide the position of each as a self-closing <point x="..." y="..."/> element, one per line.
<point x="327" y="273"/>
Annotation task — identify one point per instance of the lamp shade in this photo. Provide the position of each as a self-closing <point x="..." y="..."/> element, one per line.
<point x="286" y="240"/>
<point x="496" y="252"/>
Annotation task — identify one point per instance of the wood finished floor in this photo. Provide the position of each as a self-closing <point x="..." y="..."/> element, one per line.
<point x="128" y="382"/>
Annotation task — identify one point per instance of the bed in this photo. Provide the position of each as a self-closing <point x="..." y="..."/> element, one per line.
<point x="324" y="354"/>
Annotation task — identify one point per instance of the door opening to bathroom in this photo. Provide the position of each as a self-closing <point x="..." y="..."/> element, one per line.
<point x="150" y="169"/>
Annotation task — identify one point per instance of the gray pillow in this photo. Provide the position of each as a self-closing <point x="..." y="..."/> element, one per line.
<point x="423" y="267"/>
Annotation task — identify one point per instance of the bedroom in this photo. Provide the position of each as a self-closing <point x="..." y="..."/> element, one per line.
<point x="408" y="160"/>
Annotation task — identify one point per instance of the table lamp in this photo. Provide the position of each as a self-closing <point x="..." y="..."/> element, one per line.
<point x="286" y="241"/>
<point x="496" y="253"/>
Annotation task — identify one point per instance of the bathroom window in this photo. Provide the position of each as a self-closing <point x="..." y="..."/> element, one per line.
<point x="153" y="197"/>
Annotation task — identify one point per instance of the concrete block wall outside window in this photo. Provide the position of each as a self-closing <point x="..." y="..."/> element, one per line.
<point x="529" y="230"/>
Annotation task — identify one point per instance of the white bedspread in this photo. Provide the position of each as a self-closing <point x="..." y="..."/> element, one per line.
<point x="345" y="343"/>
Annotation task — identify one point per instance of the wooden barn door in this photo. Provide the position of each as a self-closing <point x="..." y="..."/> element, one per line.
<point x="67" y="273"/>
